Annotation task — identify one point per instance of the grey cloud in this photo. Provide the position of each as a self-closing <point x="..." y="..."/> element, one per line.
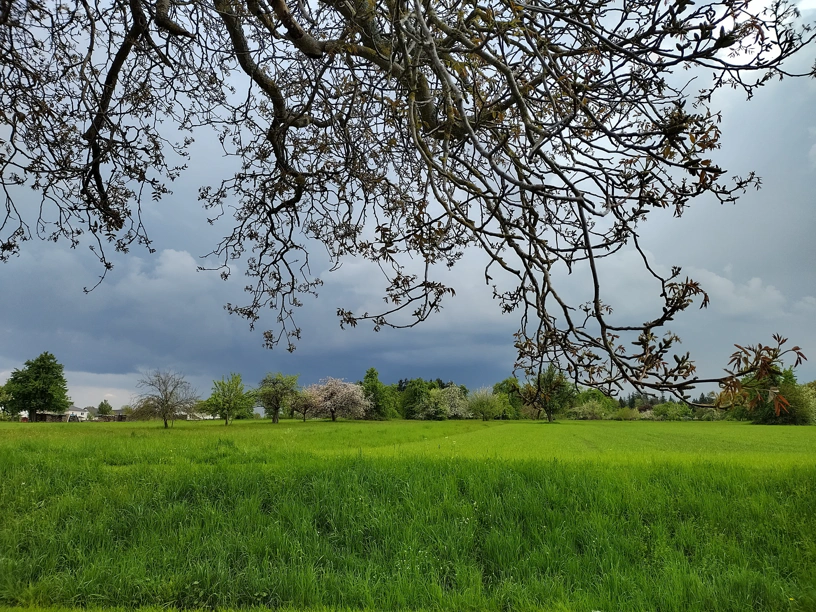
<point x="161" y="312"/>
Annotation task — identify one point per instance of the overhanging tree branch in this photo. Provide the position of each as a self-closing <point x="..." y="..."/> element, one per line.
<point x="403" y="133"/>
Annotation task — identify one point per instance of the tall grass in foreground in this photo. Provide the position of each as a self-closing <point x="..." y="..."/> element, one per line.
<point x="208" y="521"/>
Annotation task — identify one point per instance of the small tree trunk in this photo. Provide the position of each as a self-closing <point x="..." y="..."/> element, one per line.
<point x="276" y="415"/>
<point x="334" y="415"/>
<point x="165" y="423"/>
<point x="549" y="416"/>
<point x="304" y="416"/>
<point x="226" y="421"/>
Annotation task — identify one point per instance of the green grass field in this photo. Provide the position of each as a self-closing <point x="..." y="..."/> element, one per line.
<point x="609" y="516"/>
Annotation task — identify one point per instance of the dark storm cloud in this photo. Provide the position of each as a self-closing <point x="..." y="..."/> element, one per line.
<point x="159" y="311"/>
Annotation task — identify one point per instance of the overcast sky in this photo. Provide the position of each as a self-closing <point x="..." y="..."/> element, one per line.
<point x="756" y="259"/>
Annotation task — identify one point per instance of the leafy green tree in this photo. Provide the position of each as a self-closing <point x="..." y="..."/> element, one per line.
<point x="5" y="397"/>
<point x="415" y="398"/>
<point x="390" y="400"/>
<point x="39" y="387"/>
<point x="383" y="400"/>
<point x="276" y="393"/>
<point x="671" y="411"/>
<point x="104" y="408"/>
<point x="786" y="402"/>
<point x="511" y="388"/>
<point x="166" y="394"/>
<point x="230" y="399"/>
<point x="550" y="392"/>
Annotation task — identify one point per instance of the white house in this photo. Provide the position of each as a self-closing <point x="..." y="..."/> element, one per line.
<point x="80" y="413"/>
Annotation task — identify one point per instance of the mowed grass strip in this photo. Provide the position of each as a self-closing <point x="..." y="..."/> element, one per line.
<point x="574" y="516"/>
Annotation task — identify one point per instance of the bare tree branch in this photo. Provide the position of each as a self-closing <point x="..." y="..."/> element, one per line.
<point x="403" y="133"/>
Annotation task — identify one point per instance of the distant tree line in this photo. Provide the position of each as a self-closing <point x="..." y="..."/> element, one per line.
<point x="40" y="386"/>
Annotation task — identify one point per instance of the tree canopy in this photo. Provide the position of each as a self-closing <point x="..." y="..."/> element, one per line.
<point x="40" y="386"/>
<point x="230" y="399"/>
<point x="104" y="408"/>
<point x="337" y="398"/>
<point x="549" y="392"/>
<point x="5" y="396"/>
<point x="275" y="392"/>
<point x="383" y="400"/>
<point x="543" y="133"/>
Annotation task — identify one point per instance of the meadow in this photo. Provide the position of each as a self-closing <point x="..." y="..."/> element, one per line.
<point x="455" y="515"/>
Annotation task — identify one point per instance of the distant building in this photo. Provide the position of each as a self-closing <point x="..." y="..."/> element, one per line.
<point x="81" y="414"/>
<point x="73" y="414"/>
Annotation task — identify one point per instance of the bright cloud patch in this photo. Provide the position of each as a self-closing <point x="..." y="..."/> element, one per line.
<point x="752" y="298"/>
<point x="88" y="389"/>
<point x="806" y="305"/>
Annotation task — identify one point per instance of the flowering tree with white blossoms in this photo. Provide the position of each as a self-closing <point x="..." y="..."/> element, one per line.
<point x="448" y="403"/>
<point x="337" y="397"/>
<point x="307" y="402"/>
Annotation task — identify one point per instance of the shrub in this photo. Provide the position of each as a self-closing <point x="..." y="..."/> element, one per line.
<point x="709" y="414"/>
<point x="671" y="411"/>
<point x="801" y="409"/>
<point x="608" y="404"/>
<point x="414" y="399"/>
<point x="626" y="414"/>
<point x="510" y="387"/>
<point x="761" y="400"/>
<point x="738" y="413"/>
<point x="485" y="404"/>
<point x="591" y="410"/>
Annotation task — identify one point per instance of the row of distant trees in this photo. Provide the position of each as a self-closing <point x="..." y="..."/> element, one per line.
<point x="40" y="386"/>
<point x="550" y="395"/>
<point x="166" y="395"/>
